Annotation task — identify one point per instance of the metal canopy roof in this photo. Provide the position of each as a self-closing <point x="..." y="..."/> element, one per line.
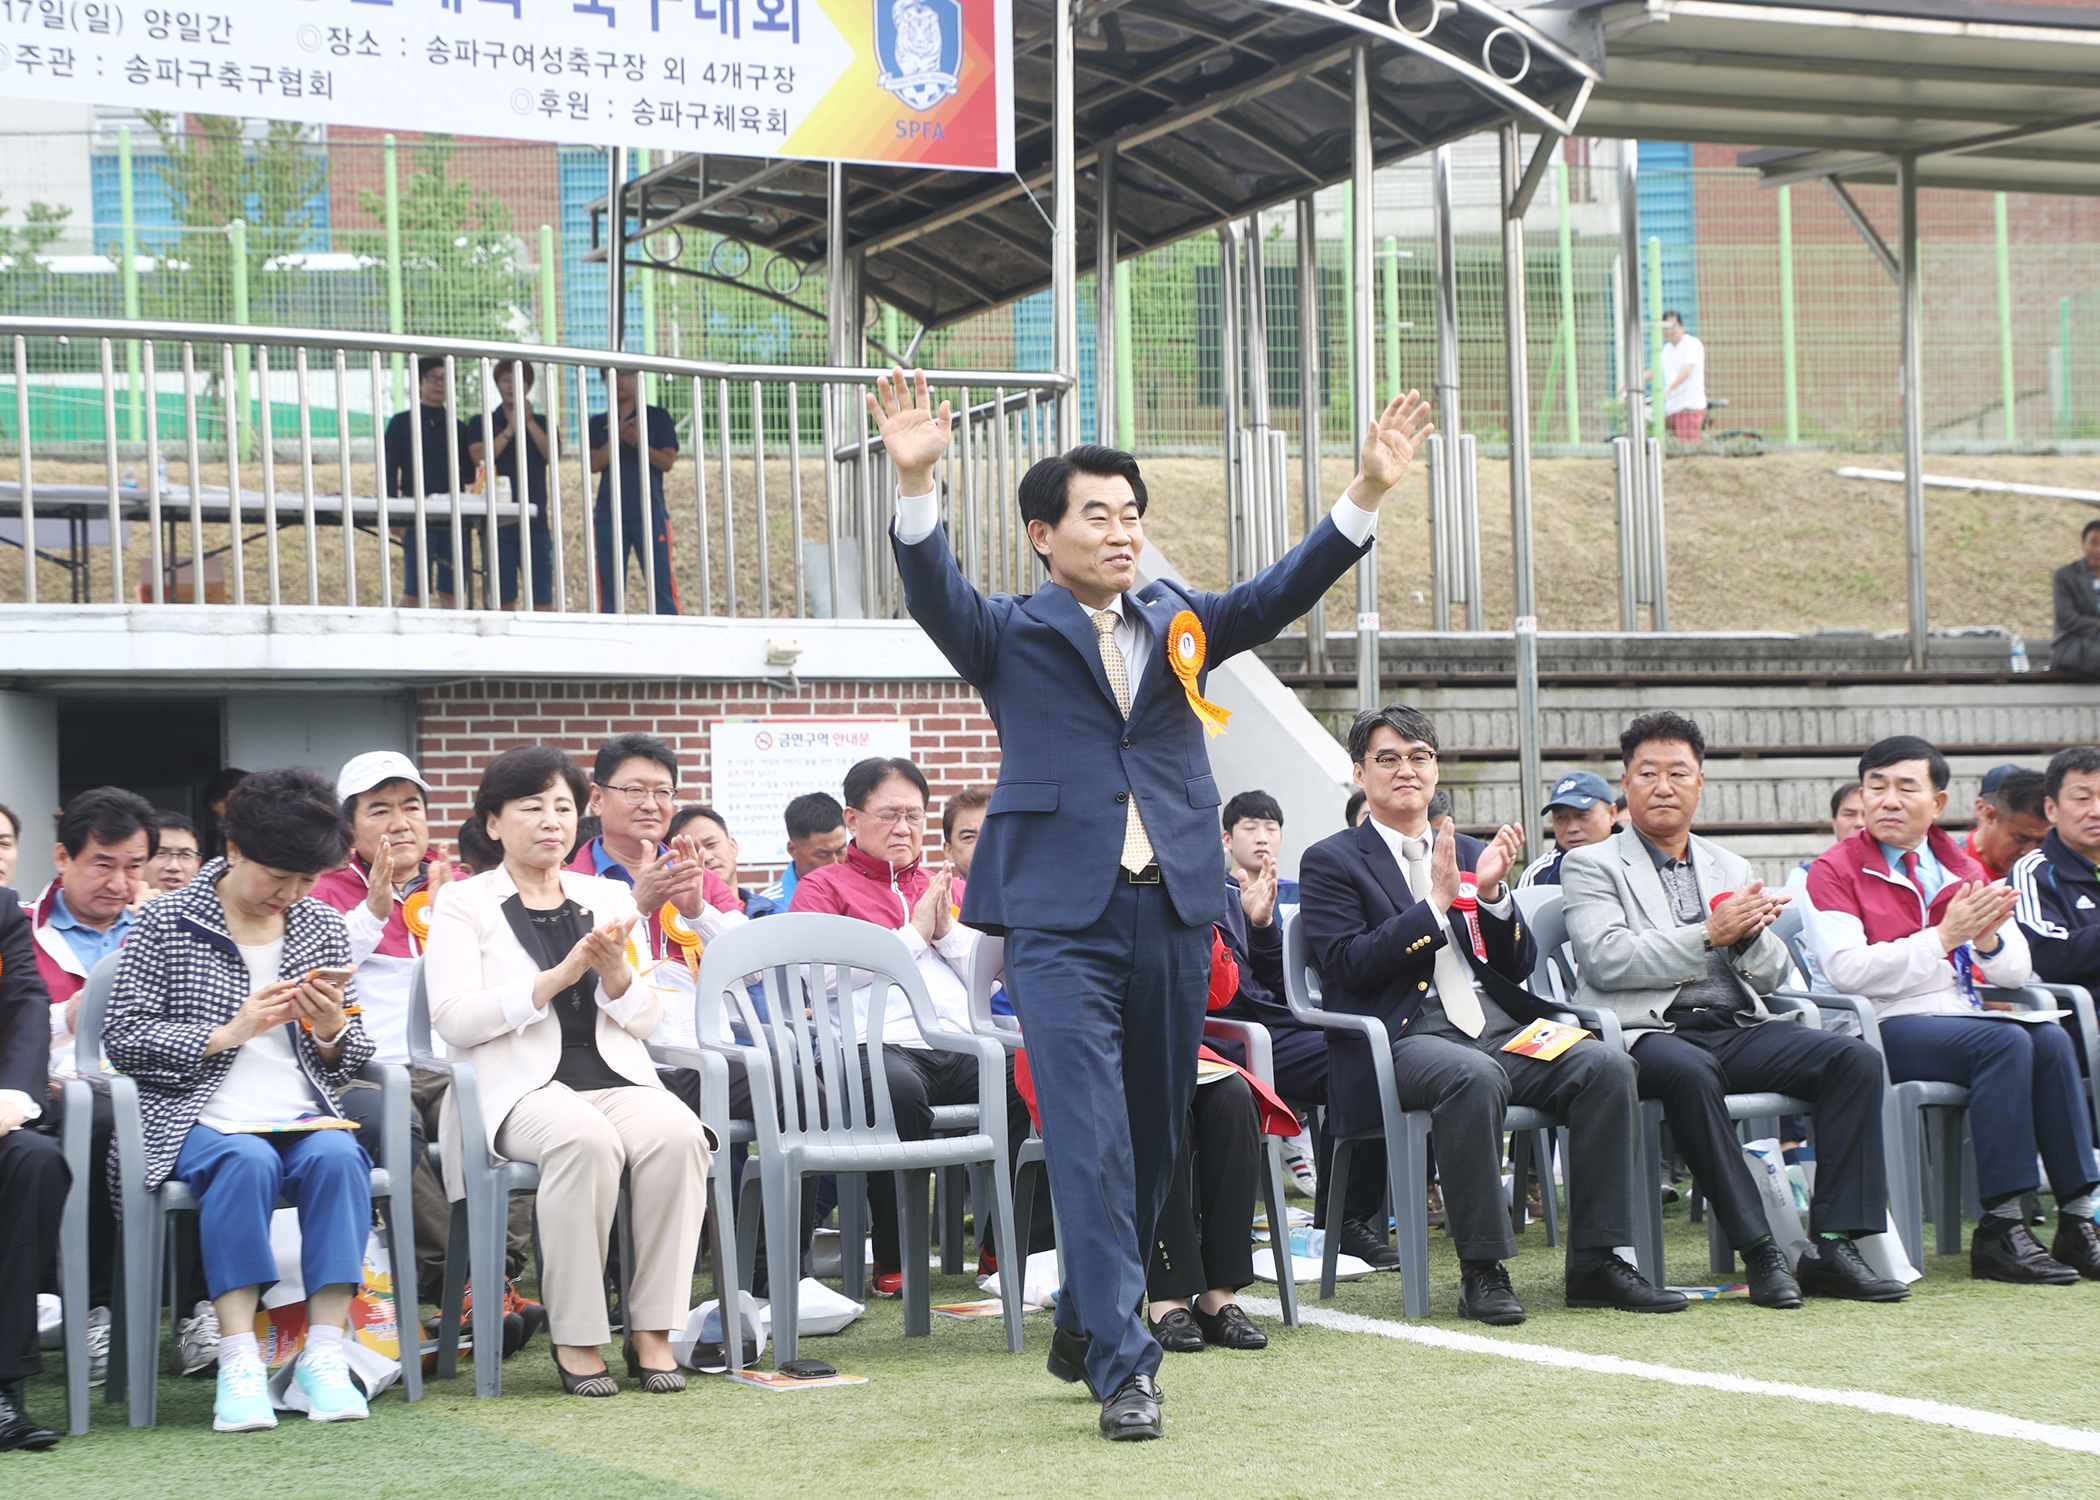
<point x="1217" y="108"/>
<point x="1991" y="96"/>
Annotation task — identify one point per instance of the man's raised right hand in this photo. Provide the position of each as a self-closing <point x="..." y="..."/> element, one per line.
<point x="913" y="433"/>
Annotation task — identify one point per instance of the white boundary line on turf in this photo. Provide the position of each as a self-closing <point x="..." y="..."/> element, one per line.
<point x="1938" y="1413"/>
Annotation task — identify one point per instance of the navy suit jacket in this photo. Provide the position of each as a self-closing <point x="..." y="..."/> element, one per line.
<point x="1375" y="946"/>
<point x="1259" y="953"/>
<point x="1052" y="838"/>
<point x="25" y="1006"/>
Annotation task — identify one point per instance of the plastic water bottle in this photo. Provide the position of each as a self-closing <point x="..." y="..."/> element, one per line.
<point x="160" y="472"/>
<point x="1308" y="1243"/>
<point x="2019" y="653"/>
<point x="131" y="476"/>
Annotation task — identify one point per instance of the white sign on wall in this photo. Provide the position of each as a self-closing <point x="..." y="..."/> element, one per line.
<point x="761" y="765"/>
<point x="900" y="82"/>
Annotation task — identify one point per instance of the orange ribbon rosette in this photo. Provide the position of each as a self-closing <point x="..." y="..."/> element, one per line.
<point x="415" y="915"/>
<point x="680" y="934"/>
<point x="1185" y="647"/>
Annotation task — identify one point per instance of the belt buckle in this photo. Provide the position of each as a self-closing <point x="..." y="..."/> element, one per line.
<point x="1148" y="876"/>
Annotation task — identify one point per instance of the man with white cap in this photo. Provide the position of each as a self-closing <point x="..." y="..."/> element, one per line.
<point x="1581" y="808"/>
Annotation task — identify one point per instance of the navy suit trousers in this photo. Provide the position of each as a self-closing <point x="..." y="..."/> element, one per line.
<point x="1113" y="1015"/>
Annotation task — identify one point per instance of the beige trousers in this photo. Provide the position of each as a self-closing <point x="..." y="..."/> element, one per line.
<point x="581" y="1142"/>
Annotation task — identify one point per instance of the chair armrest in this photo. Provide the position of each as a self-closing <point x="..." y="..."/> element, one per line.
<point x="1252" y="1035"/>
<point x="2077" y="999"/>
<point x="1827" y="1002"/>
<point x="1784" y="1004"/>
<point x="991" y="1078"/>
<point x="75" y="1136"/>
<point x="1604" y="1022"/>
<point x="429" y="1062"/>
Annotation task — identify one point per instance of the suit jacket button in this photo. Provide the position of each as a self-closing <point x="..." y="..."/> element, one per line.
<point x="1122" y="796"/>
<point x="1126" y="744"/>
<point x="1423" y="985"/>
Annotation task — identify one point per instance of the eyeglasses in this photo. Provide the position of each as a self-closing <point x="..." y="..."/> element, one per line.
<point x="635" y="796"/>
<point x="889" y="818"/>
<point x="187" y="856"/>
<point x="1389" y="760"/>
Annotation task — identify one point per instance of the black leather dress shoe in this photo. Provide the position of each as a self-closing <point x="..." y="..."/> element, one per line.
<point x="1068" y="1358"/>
<point x="1601" y="1279"/>
<point x="1368" y="1245"/>
<point x="1177" y="1332"/>
<point x="19" y="1430"/>
<point x="1771" y="1283"/>
<point x="1834" y="1268"/>
<point x="2005" y="1249"/>
<point x="2077" y="1245"/>
<point x="1484" y="1294"/>
<point x="1230" y="1328"/>
<point x="1132" y="1414"/>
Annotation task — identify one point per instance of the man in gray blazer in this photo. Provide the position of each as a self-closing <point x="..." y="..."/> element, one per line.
<point x="1671" y="933"/>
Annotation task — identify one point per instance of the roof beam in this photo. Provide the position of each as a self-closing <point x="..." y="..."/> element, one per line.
<point x="1993" y="78"/>
<point x="1824" y="103"/>
<point x="1866" y="229"/>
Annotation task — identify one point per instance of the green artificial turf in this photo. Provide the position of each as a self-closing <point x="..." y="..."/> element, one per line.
<point x="1320" y="1413"/>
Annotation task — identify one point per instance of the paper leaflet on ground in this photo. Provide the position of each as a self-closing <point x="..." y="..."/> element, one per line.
<point x="989" y="1307"/>
<point x="1712" y="1293"/>
<point x="1544" y="1040"/>
<point x="1293" y="1218"/>
<point x="772" y="1380"/>
<point x="1306" y="1268"/>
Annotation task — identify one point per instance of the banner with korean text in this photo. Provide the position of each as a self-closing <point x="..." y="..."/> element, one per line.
<point x="918" y="83"/>
<point x="758" y="766"/>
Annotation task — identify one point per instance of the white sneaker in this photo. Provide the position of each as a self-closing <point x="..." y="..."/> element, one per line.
<point x="1298" y="1161"/>
<point x="243" y="1403"/>
<point x="196" y="1341"/>
<point x="98" y="1345"/>
<point x="324" y="1375"/>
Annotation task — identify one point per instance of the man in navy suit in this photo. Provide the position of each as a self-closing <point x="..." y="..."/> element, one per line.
<point x="1416" y="924"/>
<point x="1098" y="855"/>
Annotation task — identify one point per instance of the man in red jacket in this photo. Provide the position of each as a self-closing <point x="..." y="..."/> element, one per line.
<point x="882" y="880"/>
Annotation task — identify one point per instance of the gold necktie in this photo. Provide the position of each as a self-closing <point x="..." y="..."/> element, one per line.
<point x="1137" y="846"/>
<point x="1454" y="980"/>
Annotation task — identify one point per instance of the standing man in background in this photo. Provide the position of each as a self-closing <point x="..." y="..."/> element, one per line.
<point x="1096" y="858"/>
<point x="637" y="424"/>
<point x="1684" y="380"/>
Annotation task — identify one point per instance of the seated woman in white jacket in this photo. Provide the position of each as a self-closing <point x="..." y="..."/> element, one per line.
<point x="532" y="979"/>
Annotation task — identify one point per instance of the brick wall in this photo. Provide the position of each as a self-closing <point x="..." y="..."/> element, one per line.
<point x="463" y="725"/>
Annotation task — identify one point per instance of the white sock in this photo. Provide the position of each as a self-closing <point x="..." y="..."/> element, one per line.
<point x="2080" y="1207"/>
<point x="236" y="1346"/>
<point x="323" y="1336"/>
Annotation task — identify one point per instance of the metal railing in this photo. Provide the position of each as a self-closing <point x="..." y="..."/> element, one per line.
<point x="781" y="509"/>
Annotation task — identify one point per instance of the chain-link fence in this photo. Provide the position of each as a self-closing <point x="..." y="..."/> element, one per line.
<point x="487" y="238"/>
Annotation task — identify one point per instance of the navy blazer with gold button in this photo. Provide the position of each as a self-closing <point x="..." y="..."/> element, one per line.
<point x="1375" y="947"/>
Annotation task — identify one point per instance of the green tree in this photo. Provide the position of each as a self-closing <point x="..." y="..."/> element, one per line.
<point x="214" y="176"/>
<point x="463" y="270"/>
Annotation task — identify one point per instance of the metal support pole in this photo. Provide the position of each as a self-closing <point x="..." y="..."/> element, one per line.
<point x="1654" y="310"/>
<point x="1263" y="510"/>
<point x="1107" y="373"/>
<point x="1309" y="408"/>
<point x="237" y="397"/>
<point x="2005" y="325"/>
<point x="396" y="299"/>
<point x="1789" y="371"/>
<point x="615" y="256"/>
<point x="550" y="290"/>
<point x="1361" y="385"/>
<point x="1239" y="560"/>
<point x="1517" y="359"/>
<point x="1913" y="407"/>
<point x="1446" y="572"/>
<point x="1064" y="229"/>
<point x="127" y="207"/>
<point x="647" y="393"/>
<point x="844" y="414"/>
<point x="1126" y="369"/>
<point x="1569" y="344"/>
<point x="1632" y="505"/>
<point x="1389" y="287"/>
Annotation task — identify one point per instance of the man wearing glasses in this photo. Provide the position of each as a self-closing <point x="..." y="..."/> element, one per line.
<point x="174" y="865"/>
<point x="1414" y="922"/>
<point x="634" y="787"/>
<point x="882" y="880"/>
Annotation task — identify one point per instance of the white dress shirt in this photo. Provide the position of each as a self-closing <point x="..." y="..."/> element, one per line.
<point x="1502" y="908"/>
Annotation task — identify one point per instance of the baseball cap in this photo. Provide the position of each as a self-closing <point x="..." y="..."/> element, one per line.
<point x="376" y="768"/>
<point x="1580" y="790"/>
<point x="1995" y="776"/>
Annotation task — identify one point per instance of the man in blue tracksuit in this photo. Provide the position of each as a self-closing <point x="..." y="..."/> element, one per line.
<point x="1098" y="856"/>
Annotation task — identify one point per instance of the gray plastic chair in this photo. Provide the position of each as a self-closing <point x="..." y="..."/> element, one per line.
<point x="75" y="1139"/>
<point x="143" y="1243"/>
<point x="1406" y="1134"/>
<point x="1261" y="1062"/>
<point x="834" y="1122"/>
<point x="1758" y="1112"/>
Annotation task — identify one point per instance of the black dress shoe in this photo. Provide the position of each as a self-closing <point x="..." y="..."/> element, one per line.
<point x="1834" y="1268"/>
<point x="1601" y="1279"/>
<point x="1368" y="1245"/>
<point x="1177" y="1332"/>
<point x="2077" y="1245"/>
<point x="19" y="1430"/>
<point x="2005" y="1249"/>
<point x="1230" y="1328"/>
<point x="1771" y="1283"/>
<point x="1132" y="1414"/>
<point x="1484" y="1294"/>
<point x="1068" y="1358"/>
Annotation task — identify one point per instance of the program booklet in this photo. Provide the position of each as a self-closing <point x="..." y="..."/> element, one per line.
<point x="1544" y="1040"/>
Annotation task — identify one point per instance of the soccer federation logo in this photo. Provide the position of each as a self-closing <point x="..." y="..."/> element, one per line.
<point x="919" y="44"/>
